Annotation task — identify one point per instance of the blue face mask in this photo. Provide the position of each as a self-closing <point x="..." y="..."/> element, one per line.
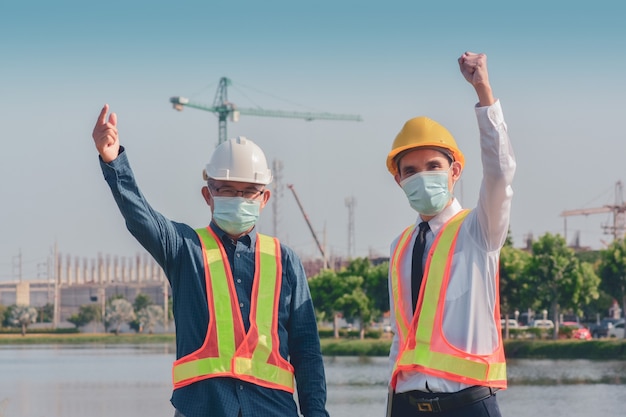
<point x="235" y="215"/>
<point x="427" y="191"/>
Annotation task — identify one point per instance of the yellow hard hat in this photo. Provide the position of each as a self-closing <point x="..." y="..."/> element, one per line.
<point x="423" y="132"/>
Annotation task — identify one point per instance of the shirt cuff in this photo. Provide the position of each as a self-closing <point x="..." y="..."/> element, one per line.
<point x="491" y="113"/>
<point x="109" y="169"/>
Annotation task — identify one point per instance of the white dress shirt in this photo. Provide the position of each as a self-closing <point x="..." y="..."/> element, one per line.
<point x="471" y="296"/>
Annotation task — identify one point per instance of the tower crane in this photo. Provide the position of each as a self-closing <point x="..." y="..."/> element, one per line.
<point x="618" y="228"/>
<point x="226" y="110"/>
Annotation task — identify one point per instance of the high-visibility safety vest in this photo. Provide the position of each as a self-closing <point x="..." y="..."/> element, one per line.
<point x="228" y="351"/>
<point x="423" y="346"/>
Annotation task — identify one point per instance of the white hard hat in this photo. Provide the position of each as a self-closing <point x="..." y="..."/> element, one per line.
<point x="238" y="159"/>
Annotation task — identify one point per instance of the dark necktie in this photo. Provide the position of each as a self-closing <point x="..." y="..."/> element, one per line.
<point x="417" y="269"/>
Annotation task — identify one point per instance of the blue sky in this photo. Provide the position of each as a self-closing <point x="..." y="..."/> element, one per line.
<point x="558" y="69"/>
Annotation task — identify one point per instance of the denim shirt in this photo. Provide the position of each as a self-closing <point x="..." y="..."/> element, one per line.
<point x="177" y="249"/>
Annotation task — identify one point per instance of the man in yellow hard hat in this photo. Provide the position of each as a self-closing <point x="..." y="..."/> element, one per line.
<point x="446" y="356"/>
<point x="245" y="325"/>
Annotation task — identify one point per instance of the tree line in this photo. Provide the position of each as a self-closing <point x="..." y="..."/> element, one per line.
<point x="548" y="276"/>
<point x="141" y="316"/>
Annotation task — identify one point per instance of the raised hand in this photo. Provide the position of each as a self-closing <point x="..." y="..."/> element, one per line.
<point x="474" y="69"/>
<point x="105" y="135"/>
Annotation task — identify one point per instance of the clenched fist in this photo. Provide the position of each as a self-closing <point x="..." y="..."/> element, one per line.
<point x="474" y="69"/>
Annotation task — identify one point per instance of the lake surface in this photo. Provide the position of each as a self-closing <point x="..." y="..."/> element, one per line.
<point x="134" y="380"/>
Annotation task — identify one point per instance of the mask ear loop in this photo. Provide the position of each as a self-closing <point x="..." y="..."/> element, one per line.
<point x="453" y="180"/>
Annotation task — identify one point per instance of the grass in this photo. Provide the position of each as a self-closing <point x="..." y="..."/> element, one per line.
<point x="84" y="338"/>
<point x="604" y="349"/>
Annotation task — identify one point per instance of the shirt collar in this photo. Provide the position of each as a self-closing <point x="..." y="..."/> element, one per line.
<point x="440" y="219"/>
<point x="248" y="239"/>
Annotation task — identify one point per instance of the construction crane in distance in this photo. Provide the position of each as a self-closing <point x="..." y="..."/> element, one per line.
<point x="618" y="228"/>
<point x="306" y="218"/>
<point x="226" y="110"/>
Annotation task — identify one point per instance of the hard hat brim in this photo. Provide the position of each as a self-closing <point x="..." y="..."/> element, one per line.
<point x="392" y="163"/>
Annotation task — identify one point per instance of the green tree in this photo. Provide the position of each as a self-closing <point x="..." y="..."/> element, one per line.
<point x="356" y="305"/>
<point x="118" y="312"/>
<point x="326" y="288"/>
<point x="558" y="278"/>
<point x="3" y="314"/>
<point x="612" y="269"/>
<point x="514" y="282"/>
<point x="142" y="301"/>
<point x="589" y="288"/>
<point x="23" y="316"/>
<point x="47" y="313"/>
<point x="375" y="282"/>
<point x="598" y="308"/>
<point x="150" y="316"/>
<point x="376" y="287"/>
<point x="87" y="313"/>
<point x="359" y="291"/>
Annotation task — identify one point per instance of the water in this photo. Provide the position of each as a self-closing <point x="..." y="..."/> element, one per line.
<point x="134" y="380"/>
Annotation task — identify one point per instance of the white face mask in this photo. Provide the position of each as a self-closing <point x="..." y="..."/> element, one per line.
<point x="235" y="215"/>
<point x="427" y="191"/>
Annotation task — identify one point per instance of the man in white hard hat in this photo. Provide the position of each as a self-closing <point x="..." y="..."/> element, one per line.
<point x="446" y="356"/>
<point x="245" y="323"/>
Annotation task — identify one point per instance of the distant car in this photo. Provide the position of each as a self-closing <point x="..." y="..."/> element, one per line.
<point x="513" y="324"/>
<point x="542" y="324"/>
<point x="602" y="329"/>
<point x="617" y="330"/>
<point x="579" y="331"/>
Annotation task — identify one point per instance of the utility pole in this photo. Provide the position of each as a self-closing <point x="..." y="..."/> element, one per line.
<point x="56" y="315"/>
<point x="277" y="173"/>
<point x="17" y="265"/>
<point x="351" y="203"/>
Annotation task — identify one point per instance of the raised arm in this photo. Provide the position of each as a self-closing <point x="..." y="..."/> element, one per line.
<point x="157" y="234"/>
<point x="494" y="202"/>
<point x="105" y="135"/>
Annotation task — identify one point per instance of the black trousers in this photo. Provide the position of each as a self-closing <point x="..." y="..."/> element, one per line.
<point x="401" y="407"/>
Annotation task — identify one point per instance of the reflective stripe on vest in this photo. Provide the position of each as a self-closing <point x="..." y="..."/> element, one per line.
<point x="423" y="347"/>
<point x="228" y="350"/>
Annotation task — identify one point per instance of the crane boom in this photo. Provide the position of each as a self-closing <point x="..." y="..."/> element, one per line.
<point x="595" y="210"/>
<point x="618" y="209"/>
<point x="306" y="218"/>
<point x="226" y="110"/>
<point x="178" y="102"/>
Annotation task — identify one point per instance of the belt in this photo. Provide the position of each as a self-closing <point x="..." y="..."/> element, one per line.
<point x="444" y="402"/>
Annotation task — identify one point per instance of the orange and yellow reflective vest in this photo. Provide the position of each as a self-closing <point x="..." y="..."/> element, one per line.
<point x="228" y="351"/>
<point x="423" y="346"/>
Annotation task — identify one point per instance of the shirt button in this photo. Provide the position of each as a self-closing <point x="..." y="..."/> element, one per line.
<point x="241" y="387"/>
<point x="239" y="281"/>
<point x="238" y="255"/>
<point x="241" y="305"/>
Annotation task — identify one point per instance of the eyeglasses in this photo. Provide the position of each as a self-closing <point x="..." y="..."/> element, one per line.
<point x="232" y="192"/>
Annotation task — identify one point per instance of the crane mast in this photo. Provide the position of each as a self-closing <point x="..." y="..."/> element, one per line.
<point x="226" y="110"/>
